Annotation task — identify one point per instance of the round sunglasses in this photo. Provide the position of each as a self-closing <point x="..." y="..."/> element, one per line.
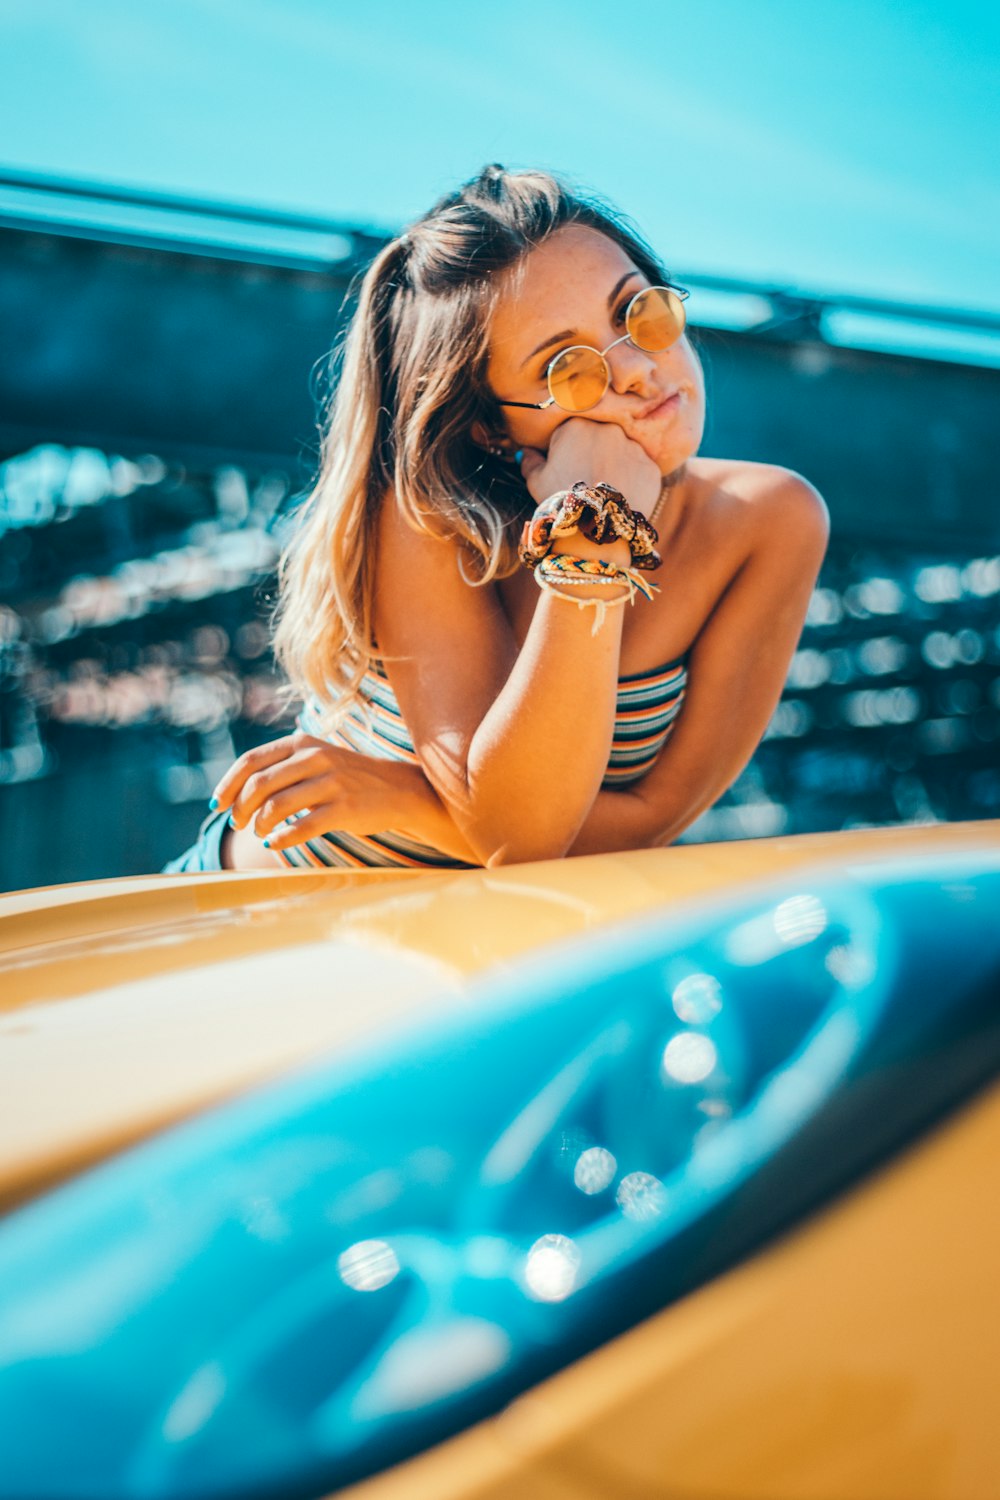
<point x="579" y="376"/>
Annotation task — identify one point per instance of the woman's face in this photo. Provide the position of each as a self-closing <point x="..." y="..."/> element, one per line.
<point x="574" y="289"/>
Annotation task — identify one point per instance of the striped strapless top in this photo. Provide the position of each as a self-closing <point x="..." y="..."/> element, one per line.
<point x="647" y="707"/>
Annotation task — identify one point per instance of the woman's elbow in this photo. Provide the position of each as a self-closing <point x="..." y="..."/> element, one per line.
<point x="526" y="852"/>
<point x="516" y="841"/>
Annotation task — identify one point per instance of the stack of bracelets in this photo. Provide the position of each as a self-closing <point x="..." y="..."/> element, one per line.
<point x="604" y="515"/>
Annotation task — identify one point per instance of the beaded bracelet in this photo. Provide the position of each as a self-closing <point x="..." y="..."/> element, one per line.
<point x="557" y="570"/>
<point x="601" y="513"/>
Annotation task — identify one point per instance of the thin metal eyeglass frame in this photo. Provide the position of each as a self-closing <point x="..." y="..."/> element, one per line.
<point x="626" y="338"/>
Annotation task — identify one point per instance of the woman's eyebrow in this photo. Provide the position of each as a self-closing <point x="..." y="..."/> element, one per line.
<point x="567" y="333"/>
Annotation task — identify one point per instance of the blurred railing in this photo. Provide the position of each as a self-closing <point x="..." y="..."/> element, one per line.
<point x="135" y="664"/>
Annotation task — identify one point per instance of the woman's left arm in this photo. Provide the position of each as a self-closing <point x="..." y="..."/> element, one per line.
<point x="737" y="669"/>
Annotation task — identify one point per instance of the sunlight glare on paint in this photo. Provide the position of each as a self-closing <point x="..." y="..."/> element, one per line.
<point x="551" y="1268"/>
<point x="697" y="999"/>
<point x="595" y="1170"/>
<point x="689" y="1057"/>
<point x="368" y="1266"/>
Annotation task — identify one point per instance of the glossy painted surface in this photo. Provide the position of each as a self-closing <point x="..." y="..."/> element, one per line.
<point x="346" y="1267"/>
<point x="856" y="1360"/>
<point x="188" y="989"/>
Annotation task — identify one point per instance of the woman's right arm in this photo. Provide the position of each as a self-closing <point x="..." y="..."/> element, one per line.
<point x="514" y="742"/>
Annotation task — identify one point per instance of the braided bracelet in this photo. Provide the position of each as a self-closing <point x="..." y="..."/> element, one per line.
<point x="601" y="513"/>
<point x="560" y="568"/>
<point x="557" y="570"/>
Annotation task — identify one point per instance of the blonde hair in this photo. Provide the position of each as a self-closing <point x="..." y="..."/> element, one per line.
<point x="412" y="388"/>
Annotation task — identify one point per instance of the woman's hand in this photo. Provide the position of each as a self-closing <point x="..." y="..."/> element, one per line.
<point x="332" y="787"/>
<point x="592" y="451"/>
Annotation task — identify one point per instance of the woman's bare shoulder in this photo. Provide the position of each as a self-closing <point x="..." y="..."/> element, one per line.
<point x="745" y="481"/>
<point x="760" y="497"/>
<point x="403" y="537"/>
<point x="430" y="620"/>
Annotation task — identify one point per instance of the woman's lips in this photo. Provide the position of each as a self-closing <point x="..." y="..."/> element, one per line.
<point x="669" y="404"/>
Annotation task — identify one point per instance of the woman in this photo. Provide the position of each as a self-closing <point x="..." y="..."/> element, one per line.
<point x="515" y="342"/>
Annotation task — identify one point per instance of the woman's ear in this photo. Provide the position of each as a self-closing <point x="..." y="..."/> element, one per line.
<point x="494" y="442"/>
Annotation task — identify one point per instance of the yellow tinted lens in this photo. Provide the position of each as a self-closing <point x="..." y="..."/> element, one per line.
<point x="655" y="318"/>
<point x="578" y="378"/>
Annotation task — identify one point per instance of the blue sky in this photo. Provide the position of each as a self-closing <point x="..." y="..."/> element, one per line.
<point x="831" y="145"/>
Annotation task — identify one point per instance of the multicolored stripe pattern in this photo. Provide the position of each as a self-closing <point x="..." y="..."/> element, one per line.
<point x="648" y="705"/>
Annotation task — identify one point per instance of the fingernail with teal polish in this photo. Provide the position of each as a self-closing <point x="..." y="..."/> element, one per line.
<point x="267" y="843"/>
<point x="213" y="804"/>
<point x="230" y="821"/>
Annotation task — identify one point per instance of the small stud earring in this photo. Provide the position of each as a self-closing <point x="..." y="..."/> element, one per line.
<point x="496" y="449"/>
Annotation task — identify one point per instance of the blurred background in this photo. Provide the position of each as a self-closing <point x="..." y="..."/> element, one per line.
<point x="187" y="192"/>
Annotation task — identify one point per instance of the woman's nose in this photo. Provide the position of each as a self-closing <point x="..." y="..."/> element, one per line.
<point x="630" y="366"/>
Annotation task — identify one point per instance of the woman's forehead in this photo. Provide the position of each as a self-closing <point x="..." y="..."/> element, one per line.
<point x="564" y="282"/>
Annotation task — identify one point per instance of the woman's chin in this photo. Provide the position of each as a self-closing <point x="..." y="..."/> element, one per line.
<point x="671" y="450"/>
<point x="668" y="454"/>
